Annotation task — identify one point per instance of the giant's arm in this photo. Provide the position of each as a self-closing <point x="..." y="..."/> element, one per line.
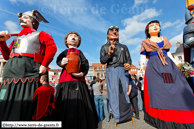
<point x="84" y="63"/>
<point x="128" y="57"/>
<point x="50" y="48"/>
<point x="5" y="51"/>
<point x="104" y="57"/>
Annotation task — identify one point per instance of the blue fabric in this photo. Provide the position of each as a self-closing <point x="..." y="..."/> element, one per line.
<point x="139" y="100"/>
<point x="99" y="106"/>
<point x="154" y="53"/>
<point x="134" y="88"/>
<point x="192" y="80"/>
<point x="174" y="96"/>
<point x="112" y="81"/>
<point x="106" y="109"/>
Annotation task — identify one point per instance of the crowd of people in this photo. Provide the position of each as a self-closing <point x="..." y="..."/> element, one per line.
<point x="25" y="94"/>
<point x="98" y="92"/>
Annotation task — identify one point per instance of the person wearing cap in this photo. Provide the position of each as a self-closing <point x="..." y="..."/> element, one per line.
<point x="28" y="56"/>
<point x="118" y="60"/>
<point x="169" y="100"/>
<point x="73" y="102"/>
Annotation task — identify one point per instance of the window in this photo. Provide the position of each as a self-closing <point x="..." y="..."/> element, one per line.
<point x="98" y="74"/>
<point x="90" y="72"/>
<point x="180" y="57"/>
<point x="97" y="68"/>
<point x="90" y="77"/>
<point x="102" y="67"/>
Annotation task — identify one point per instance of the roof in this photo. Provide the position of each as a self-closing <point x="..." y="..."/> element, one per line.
<point x="179" y="49"/>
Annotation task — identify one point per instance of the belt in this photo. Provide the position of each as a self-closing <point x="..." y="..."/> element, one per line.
<point x="37" y="57"/>
<point x="21" y="54"/>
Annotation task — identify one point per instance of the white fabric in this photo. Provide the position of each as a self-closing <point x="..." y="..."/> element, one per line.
<point x="142" y="60"/>
<point x="170" y="56"/>
<point x="142" y="84"/>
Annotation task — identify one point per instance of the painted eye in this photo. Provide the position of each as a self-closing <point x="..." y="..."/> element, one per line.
<point x="75" y="36"/>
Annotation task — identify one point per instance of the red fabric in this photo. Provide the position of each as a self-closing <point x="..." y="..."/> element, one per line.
<point x="68" y="77"/>
<point x="44" y="95"/>
<point x="48" y="46"/>
<point x="26" y="31"/>
<point x="5" y="51"/>
<point x="179" y="116"/>
<point x="16" y="81"/>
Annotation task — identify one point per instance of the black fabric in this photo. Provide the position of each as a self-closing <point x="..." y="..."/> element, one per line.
<point x="159" y="124"/>
<point x="125" y="113"/>
<point x="16" y="104"/>
<point x="21" y="67"/>
<point x="84" y="61"/>
<point x="118" y="58"/>
<point x="74" y="107"/>
<point x="133" y="99"/>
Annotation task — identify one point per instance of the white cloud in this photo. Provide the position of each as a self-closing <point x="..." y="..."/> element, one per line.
<point x="138" y="2"/>
<point x="134" y="41"/>
<point x="79" y="13"/>
<point x="136" y="25"/>
<point x="137" y="49"/>
<point x="155" y="1"/>
<point x="174" y="40"/>
<point x="12" y="27"/>
<point x="170" y="24"/>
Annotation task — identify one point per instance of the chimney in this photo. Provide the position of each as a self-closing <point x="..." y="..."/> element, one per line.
<point x="178" y="44"/>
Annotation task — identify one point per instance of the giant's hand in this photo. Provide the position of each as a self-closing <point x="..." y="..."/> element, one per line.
<point x="42" y="69"/>
<point x="78" y="75"/>
<point x="64" y="61"/>
<point x="111" y="49"/>
<point x="4" y="35"/>
<point x="127" y="66"/>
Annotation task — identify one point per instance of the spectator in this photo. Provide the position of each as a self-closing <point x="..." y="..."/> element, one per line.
<point x="98" y="99"/>
<point x="133" y="95"/>
<point x="103" y="90"/>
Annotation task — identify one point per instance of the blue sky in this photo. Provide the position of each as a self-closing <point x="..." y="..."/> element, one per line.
<point x="91" y="20"/>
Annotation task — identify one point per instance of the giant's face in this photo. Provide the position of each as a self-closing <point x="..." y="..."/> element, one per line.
<point x="113" y="34"/>
<point x="154" y="28"/>
<point x="25" y="22"/>
<point x="72" y="40"/>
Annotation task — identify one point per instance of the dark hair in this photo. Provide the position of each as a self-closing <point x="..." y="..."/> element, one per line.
<point x="147" y="28"/>
<point x="140" y="78"/>
<point x="72" y="32"/>
<point x="45" y="77"/>
<point x="97" y="79"/>
<point x="36" y="23"/>
<point x="94" y="77"/>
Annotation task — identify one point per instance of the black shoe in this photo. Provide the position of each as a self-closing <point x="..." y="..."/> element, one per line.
<point x="137" y="117"/>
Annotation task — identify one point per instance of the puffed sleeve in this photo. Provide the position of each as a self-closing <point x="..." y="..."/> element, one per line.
<point x="84" y="63"/>
<point x="48" y="48"/>
<point x="5" y="51"/>
<point x="60" y="57"/>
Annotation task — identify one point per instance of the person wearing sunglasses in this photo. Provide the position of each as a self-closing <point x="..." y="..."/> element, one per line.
<point x="118" y="60"/>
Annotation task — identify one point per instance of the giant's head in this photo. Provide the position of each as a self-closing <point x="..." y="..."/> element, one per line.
<point x="113" y="33"/>
<point x="152" y="28"/>
<point x="72" y="39"/>
<point x="31" y="19"/>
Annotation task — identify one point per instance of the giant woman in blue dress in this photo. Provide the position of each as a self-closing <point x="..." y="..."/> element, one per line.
<point x="169" y="100"/>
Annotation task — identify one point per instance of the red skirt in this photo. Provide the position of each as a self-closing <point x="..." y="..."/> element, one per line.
<point x="166" y="119"/>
